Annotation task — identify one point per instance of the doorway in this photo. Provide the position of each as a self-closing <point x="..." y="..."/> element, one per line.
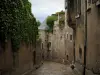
<point x="34" y="57"/>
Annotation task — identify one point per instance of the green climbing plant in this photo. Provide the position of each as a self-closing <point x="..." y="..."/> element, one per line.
<point x="17" y="23"/>
<point x="50" y="22"/>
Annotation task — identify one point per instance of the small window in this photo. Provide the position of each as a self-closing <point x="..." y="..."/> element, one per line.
<point x="49" y="44"/>
<point x="67" y="35"/>
<point x="71" y="37"/>
<point x="80" y="53"/>
<point x="61" y="37"/>
<point x="67" y="57"/>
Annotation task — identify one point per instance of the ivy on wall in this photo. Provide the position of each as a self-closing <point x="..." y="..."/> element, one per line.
<point x="17" y="23"/>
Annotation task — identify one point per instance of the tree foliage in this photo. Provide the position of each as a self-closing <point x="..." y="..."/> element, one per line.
<point x="54" y="17"/>
<point x="50" y="22"/>
<point x="17" y="23"/>
<point x="38" y="23"/>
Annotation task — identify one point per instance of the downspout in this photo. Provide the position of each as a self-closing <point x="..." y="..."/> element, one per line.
<point x="85" y="47"/>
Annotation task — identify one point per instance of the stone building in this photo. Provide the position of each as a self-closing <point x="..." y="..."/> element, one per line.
<point x="43" y="36"/>
<point x="68" y="41"/>
<point x="57" y="46"/>
<point x="61" y="41"/>
<point x="83" y="17"/>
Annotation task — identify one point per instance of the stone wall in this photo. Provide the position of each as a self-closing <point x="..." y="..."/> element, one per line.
<point x="28" y="58"/>
<point x="61" y="44"/>
<point x="44" y="40"/>
<point x="39" y="51"/>
<point x="24" y="60"/>
<point x="6" y="59"/>
<point x="69" y="43"/>
<point x="93" y="34"/>
<point x="92" y="21"/>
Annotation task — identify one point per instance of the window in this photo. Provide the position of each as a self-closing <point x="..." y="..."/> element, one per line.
<point x="67" y="57"/>
<point x="60" y="37"/>
<point x="80" y="53"/>
<point x="71" y="37"/>
<point x="49" y="44"/>
<point x="67" y="36"/>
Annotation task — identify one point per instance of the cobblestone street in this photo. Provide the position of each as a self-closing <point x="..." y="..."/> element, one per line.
<point x="52" y="68"/>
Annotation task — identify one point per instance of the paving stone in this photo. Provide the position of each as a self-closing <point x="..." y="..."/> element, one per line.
<point x="52" y="68"/>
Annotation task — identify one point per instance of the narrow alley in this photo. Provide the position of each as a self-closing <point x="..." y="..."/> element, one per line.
<point x="49" y="37"/>
<point x="53" y="68"/>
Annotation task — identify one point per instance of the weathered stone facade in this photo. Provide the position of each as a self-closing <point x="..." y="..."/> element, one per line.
<point x="61" y="40"/>
<point x="68" y="40"/>
<point x="20" y="62"/>
<point x="43" y="36"/>
<point x="6" y="59"/>
<point x="57" y="46"/>
<point x="23" y="60"/>
<point x="86" y="34"/>
<point x="57" y="42"/>
<point x="93" y="37"/>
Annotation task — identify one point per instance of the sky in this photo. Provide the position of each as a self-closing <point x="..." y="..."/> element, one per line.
<point x="43" y="8"/>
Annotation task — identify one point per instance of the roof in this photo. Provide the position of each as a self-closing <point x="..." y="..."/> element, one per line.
<point x="43" y="26"/>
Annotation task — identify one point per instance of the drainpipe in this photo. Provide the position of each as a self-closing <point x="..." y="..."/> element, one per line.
<point x="85" y="47"/>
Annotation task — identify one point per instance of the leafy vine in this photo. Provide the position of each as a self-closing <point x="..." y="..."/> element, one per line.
<point x="17" y="23"/>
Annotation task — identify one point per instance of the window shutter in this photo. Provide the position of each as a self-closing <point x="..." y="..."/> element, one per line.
<point x="94" y="1"/>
